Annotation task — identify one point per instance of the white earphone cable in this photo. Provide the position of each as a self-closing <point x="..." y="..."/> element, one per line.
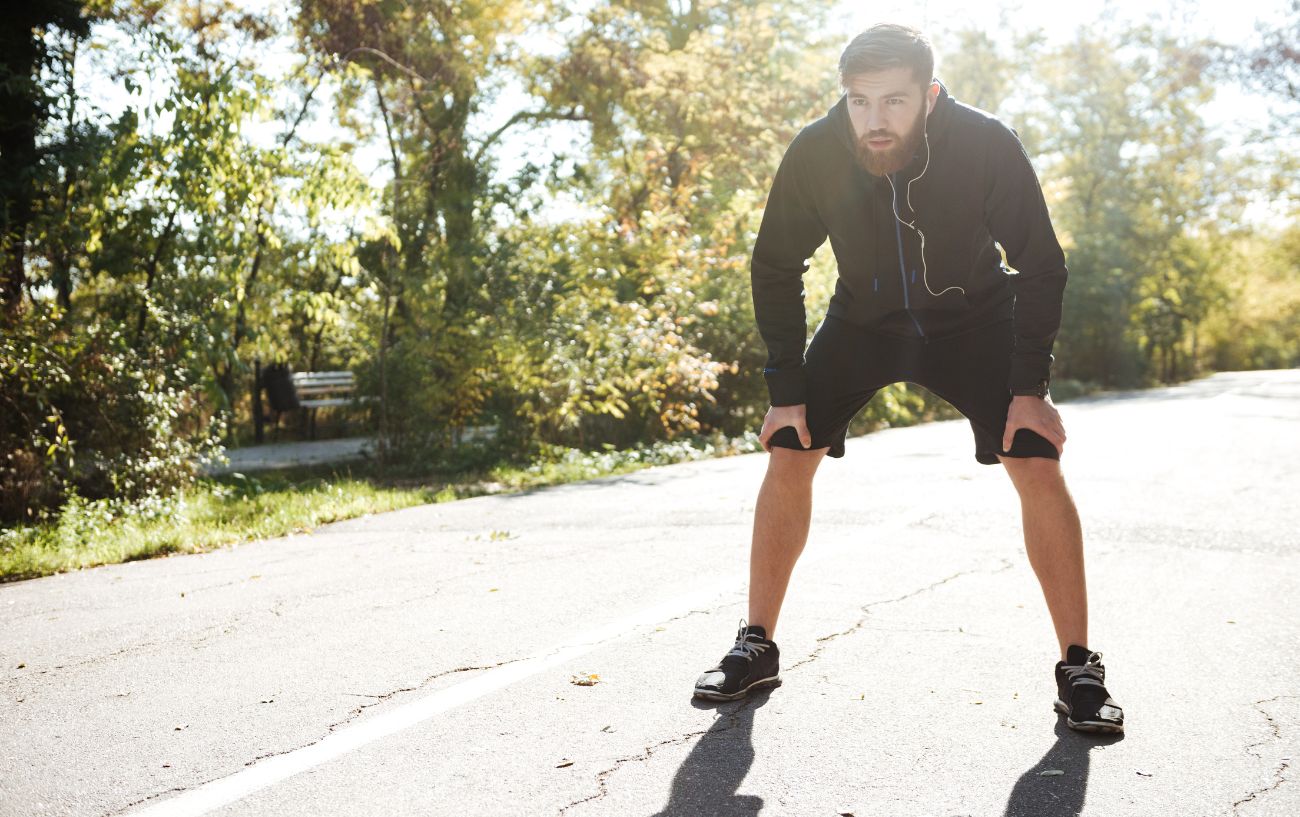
<point x="893" y="203"/>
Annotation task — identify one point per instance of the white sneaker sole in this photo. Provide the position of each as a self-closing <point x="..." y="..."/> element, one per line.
<point x="1099" y="727"/>
<point x="711" y="695"/>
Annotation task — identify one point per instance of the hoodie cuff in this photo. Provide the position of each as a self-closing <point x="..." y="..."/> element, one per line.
<point x="786" y="387"/>
<point x="1028" y="371"/>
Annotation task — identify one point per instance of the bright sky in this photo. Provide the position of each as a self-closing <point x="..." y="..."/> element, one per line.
<point x="1229" y="21"/>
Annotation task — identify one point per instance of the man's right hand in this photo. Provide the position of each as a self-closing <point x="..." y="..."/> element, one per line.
<point x="778" y="417"/>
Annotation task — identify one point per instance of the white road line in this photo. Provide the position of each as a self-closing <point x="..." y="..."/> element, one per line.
<point x="218" y="793"/>
<point x="224" y="791"/>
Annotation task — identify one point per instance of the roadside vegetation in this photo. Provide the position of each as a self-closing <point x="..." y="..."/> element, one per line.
<point x="538" y="217"/>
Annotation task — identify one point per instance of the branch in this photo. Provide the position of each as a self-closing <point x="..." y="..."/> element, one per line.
<point x="365" y="49"/>
<point x="571" y="115"/>
<point x="286" y="137"/>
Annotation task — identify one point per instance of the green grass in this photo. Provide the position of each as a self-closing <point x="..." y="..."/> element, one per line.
<point x="221" y="511"/>
<point x="226" y="510"/>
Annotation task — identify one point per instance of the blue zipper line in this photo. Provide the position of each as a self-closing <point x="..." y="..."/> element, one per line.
<point x="902" y="271"/>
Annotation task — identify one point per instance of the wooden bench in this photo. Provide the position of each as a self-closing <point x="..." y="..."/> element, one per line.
<point x="287" y="390"/>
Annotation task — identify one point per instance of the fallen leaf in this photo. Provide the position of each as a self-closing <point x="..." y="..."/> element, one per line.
<point x="585" y="680"/>
<point x="563" y="763"/>
<point x="1144" y="774"/>
<point x="1050" y="772"/>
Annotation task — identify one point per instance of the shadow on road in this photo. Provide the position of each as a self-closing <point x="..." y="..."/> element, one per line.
<point x="707" y="780"/>
<point x="1057" y="795"/>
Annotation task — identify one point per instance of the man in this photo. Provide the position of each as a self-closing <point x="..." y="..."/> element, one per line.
<point x="913" y="189"/>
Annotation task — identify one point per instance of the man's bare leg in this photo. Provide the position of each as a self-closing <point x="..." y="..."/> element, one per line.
<point x="1054" y="544"/>
<point x="782" y="518"/>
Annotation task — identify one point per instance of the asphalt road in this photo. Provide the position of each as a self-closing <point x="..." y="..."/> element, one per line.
<point x="426" y="661"/>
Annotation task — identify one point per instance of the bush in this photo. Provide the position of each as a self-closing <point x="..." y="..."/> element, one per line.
<point x="83" y="413"/>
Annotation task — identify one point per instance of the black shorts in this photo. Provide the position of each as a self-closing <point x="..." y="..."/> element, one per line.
<point x="845" y="365"/>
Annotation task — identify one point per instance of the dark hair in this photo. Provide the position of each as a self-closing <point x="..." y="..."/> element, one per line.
<point x="885" y="46"/>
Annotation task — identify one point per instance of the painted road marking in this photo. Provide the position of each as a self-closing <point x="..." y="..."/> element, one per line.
<point x="265" y="773"/>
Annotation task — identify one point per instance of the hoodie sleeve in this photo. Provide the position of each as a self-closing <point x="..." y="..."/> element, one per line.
<point x="1017" y="218"/>
<point x="790" y="232"/>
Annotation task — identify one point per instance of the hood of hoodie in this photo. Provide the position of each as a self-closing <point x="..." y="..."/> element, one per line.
<point x="936" y="127"/>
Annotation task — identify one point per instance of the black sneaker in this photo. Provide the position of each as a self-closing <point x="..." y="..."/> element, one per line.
<point x="1081" y="693"/>
<point x="752" y="663"/>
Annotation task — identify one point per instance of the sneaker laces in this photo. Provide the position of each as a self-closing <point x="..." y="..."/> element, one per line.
<point x="745" y="648"/>
<point x="1089" y="672"/>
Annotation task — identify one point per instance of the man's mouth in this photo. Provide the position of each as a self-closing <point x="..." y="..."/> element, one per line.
<point x="880" y="142"/>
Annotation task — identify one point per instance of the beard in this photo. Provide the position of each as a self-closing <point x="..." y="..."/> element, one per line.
<point x="892" y="159"/>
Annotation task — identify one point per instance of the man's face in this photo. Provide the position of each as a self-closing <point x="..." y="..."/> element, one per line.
<point x="888" y="111"/>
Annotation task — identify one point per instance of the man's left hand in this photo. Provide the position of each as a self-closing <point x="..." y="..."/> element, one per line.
<point x="1036" y="414"/>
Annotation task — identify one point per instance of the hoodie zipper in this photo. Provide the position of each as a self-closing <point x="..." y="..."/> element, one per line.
<point x="902" y="268"/>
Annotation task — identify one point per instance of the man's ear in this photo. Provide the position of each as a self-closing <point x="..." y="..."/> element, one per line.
<point x="931" y="95"/>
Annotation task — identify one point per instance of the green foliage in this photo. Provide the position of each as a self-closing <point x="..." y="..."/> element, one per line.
<point x="239" y="507"/>
<point x="1258" y="327"/>
<point x="168" y="245"/>
<point x="209" y="514"/>
<point x="648" y="320"/>
<point x="563" y="463"/>
<point x="1138" y="189"/>
<point x="84" y="413"/>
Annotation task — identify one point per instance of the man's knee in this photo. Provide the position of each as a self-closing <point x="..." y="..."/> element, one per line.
<point x="1034" y="473"/>
<point x="794" y="463"/>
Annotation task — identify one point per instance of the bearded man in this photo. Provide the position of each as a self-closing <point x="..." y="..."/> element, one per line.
<point x="916" y="192"/>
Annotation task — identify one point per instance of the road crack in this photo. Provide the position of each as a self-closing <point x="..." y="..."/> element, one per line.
<point x="602" y="777"/>
<point x="353" y="715"/>
<point x="1279" y="776"/>
<point x="378" y="699"/>
<point x="866" y="609"/>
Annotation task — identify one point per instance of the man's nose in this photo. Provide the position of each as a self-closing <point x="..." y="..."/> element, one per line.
<point x="876" y="118"/>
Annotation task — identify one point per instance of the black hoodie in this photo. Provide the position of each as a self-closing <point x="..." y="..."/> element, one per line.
<point x="979" y="188"/>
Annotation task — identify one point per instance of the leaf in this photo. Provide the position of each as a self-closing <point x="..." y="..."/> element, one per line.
<point x="1050" y="773"/>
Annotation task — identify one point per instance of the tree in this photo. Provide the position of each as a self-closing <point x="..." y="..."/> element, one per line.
<point x="428" y="67"/>
<point x="1131" y="177"/>
<point x="24" y="106"/>
<point x="690" y="106"/>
